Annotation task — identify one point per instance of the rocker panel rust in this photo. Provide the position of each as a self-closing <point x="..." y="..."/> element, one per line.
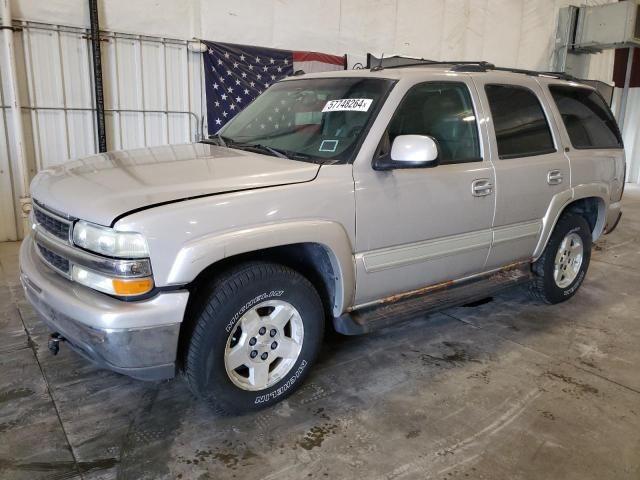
<point x="401" y="307"/>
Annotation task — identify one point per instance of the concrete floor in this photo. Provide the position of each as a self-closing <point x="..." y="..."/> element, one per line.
<point x="510" y="389"/>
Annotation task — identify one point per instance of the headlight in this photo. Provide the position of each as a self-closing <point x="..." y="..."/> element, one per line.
<point x="122" y="287"/>
<point x="109" y="242"/>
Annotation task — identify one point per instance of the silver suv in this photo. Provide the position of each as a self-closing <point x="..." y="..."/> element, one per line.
<point x="354" y="199"/>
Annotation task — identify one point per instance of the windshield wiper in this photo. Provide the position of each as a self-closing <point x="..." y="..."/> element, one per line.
<point x="221" y="140"/>
<point x="273" y="151"/>
<point x="260" y="148"/>
<point x="217" y="140"/>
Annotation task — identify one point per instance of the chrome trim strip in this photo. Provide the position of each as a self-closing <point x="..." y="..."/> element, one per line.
<point x="56" y="216"/>
<point x="52" y="266"/>
<point x="121" y="268"/>
<point x="51" y="211"/>
<point x="423" y="251"/>
<point x="510" y="233"/>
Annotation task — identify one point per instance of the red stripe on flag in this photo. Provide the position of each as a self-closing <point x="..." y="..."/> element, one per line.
<point x="317" y="57"/>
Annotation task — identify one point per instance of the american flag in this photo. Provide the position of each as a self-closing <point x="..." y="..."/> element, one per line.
<point x="237" y="74"/>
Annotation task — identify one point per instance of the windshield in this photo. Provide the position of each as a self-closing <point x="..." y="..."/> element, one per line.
<point x="320" y="119"/>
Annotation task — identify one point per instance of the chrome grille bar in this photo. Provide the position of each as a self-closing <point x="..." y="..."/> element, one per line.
<point x="53" y="223"/>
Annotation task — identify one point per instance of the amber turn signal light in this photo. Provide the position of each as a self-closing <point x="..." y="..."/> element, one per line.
<point x="132" y="286"/>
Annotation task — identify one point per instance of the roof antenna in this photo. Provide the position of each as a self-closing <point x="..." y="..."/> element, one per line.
<point x="379" y="66"/>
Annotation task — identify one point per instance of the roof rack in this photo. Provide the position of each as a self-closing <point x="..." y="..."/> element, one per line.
<point x="423" y="63"/>
<point x="483" y="66"/>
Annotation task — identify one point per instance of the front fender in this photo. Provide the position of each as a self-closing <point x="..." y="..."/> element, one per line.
<point x="202" y="252"/>
<point x="560" y="202"/>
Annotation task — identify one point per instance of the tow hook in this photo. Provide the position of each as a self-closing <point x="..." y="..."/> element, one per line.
<point x="54" y="342"/>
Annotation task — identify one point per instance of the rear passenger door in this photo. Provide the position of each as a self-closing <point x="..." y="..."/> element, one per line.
<point x="530" y="165"/>
<point x="596" y="154"/>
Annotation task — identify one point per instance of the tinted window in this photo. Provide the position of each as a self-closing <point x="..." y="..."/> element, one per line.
<point x="444" y="111"/>
<point x="518" y="119"/>
<point x="588" y="120"/>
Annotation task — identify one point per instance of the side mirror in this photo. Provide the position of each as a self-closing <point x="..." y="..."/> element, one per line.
<point x="410" y="151"/>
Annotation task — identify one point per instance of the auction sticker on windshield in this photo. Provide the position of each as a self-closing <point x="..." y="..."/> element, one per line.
<point x="348" y="105"/>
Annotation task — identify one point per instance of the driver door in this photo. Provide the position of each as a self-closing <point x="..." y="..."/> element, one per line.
<point x="422" y="226"/>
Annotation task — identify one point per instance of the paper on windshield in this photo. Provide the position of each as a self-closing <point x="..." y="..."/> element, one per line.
<point x="348" y="105"/>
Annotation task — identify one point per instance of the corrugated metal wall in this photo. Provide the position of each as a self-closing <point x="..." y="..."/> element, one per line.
<point x="160" y="77"/>
<point x="153" y="96"/>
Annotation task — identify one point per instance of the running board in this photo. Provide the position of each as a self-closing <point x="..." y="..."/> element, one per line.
<point x="399" y="308"/>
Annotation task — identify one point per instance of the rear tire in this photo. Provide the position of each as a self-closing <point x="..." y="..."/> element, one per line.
<point x="561" y="269"/>
<point x="255" y="337"/>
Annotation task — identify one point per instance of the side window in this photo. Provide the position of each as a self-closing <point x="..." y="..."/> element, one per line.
<point x="519" y="121"/>
<point x="442" y="110"/>
<point x="588" y="120"/>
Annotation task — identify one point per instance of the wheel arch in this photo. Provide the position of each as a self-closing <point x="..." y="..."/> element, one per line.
<point x="588" y="201"/>
<point x="320" y="250"/>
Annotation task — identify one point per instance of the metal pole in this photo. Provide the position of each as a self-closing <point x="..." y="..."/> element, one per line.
<point x="97" y="75"/>
<point x="13" y="98"/>
<point x="625" y="91"/>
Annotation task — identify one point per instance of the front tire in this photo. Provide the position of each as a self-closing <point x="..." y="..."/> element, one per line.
<point x="561" y="269"/>
<point x="255" y="337"/>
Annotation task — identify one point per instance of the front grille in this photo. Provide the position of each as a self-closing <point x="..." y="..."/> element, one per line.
<point x="52" y="225"/>
<point x="53" y="259"/>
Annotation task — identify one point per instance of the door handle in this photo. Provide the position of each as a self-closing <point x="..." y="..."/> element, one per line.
<point x="554" y="177"/>
<point x="481" y="187"/>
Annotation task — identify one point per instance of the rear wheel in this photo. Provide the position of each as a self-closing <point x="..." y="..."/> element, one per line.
<point x="561" y="269"/>
<point x="255" y="337"/>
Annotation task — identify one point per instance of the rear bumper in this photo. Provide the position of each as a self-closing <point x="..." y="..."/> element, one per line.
<point x="138" y="339"/>
<point x="614" y="214"/>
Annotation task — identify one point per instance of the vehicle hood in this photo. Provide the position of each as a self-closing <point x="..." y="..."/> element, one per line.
<point x="102" y="187"/>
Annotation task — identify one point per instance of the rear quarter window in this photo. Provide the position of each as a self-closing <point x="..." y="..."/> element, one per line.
<point x="587" y="118"/>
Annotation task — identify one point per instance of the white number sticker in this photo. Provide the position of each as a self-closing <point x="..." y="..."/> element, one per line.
<point x="348" y="105"/>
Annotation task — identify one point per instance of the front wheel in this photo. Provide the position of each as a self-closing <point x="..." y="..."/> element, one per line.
<point x="255" y="337"/>
<point x="561" y="269"/>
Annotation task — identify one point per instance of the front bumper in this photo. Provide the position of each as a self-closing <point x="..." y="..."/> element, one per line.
<point x="138" y="339"/>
